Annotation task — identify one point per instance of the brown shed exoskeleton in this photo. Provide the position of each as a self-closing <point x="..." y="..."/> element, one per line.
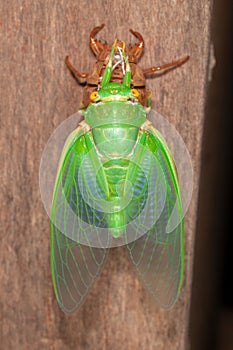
<point x="133" y="52"/>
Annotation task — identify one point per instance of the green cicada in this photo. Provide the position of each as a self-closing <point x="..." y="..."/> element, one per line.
<point x="116" y="185"/>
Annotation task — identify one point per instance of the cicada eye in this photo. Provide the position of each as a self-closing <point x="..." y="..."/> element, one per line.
<point x="93" y="95"/>
<point x="135" y="92"/>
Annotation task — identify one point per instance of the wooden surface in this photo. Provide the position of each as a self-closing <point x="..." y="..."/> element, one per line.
<point x="37" y="94"/>
<point x="211" y="324"/>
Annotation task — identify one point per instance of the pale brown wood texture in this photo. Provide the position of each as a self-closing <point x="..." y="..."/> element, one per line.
<point x="37" y="94"/>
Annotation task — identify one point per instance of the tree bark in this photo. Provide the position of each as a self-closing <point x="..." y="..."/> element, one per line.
<point x="37" y="94"/>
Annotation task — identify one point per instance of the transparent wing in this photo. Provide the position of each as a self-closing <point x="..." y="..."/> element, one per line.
<point x="75" y="266"/>
<point x="158" y="255"/>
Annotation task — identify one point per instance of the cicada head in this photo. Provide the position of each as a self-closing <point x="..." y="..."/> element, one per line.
<point x="114" y="92"/>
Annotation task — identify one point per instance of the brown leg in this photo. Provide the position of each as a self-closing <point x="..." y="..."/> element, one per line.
<point x="96" y="46"/>
<point x="137" y="49"/>
<point x="76" y="73"/>
<point x="165" y="66"/>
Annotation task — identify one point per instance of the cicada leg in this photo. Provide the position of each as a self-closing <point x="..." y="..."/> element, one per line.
<point x="136" y="51"/>
<point x="96" y="46"/>
<point x="76" y="73"/>
<point x="166" y="65"/>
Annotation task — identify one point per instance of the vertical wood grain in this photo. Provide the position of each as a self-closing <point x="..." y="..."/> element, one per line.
<point x="37" y="94"/>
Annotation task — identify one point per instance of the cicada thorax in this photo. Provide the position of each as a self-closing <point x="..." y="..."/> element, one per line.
<point x="115" y="126"/>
